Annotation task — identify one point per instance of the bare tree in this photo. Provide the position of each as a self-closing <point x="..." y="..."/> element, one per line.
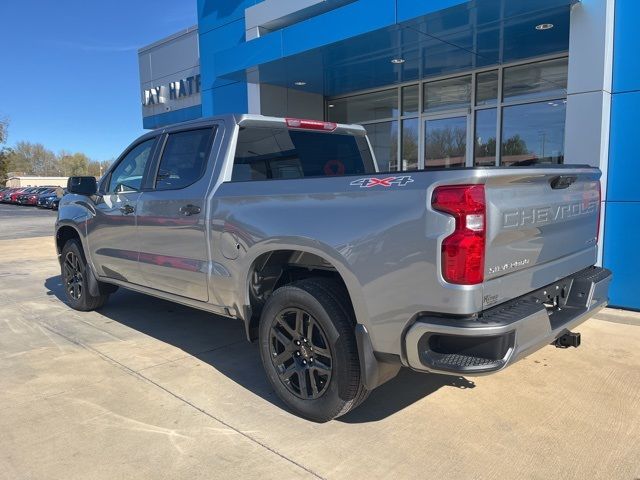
<point x="5" y="152"/>
<point x="33" y="159"/>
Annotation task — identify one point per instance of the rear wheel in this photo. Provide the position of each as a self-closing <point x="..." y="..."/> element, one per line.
<point x="309" y="351"/>
<point x="75" y="279"/>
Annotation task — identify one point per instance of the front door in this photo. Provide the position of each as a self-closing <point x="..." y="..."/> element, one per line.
<point x="112" y="236"/>
<point x="174" y="256"/>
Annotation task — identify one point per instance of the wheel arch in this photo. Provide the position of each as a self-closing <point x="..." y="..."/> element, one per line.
<point x="273" y="265"/>
<point x="66" y="232"/>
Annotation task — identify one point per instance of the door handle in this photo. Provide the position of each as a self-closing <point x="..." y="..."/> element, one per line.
<point x="127" y="209"/>
<point x="189" y="210"/>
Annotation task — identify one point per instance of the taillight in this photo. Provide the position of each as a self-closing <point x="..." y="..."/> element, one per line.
<point x="463" y="250"/>
<point x="311" y="124"/>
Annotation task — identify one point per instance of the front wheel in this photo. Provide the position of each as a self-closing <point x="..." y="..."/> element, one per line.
<point x="308" y="349"/>
<point x="75" y="279"/>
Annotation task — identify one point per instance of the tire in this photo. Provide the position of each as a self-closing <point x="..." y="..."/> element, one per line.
<point x="308" y="349"/>
<point x="75" y="280"/>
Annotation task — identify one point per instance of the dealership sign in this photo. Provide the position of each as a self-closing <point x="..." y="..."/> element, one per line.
<point x="176" y="90"/>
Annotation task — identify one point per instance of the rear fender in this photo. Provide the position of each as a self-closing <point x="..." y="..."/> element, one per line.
<point x="307" y="245"/>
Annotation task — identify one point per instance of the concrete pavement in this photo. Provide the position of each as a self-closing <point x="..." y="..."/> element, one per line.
<point x="149" y="389"/>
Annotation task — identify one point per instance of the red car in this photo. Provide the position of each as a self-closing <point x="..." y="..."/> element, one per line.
<point x="13" y="196"/>
<point x="31" y="197"/>
<point x="23" y="198"/>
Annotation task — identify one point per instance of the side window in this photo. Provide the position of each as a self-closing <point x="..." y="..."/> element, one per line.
<point x="184" y="159"/>
<point x="127" y="176"/>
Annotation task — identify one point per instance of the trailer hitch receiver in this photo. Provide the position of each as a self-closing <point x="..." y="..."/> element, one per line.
<point x="569" y="339"/>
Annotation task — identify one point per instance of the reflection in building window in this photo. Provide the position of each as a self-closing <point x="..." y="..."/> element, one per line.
<point x="485" y="138"/>
<point x="384" y="141"/>
<point x="515" y="116"/>
<point x="535" y="80"/>
<point x="410" y="100"/>
<point x="365" y="108"/>
<point x="453" y="93"/>
<point x="410" y="143"/>
<point x="533" y="133"/>
<point x="445" y="142"/>
<point x="487" y="88"/>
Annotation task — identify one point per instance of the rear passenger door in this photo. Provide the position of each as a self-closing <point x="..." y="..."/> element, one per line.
<point x="174" y="254"/>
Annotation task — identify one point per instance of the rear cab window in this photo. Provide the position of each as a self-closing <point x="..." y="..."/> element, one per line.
<point x="184" y="158"/>
<point x="279" y="153"/>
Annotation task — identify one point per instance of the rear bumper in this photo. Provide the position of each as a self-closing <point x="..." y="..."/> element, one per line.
<point x="502" y="335"/>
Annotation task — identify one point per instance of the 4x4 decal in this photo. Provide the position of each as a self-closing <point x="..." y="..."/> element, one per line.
<point x="382" y="182"/>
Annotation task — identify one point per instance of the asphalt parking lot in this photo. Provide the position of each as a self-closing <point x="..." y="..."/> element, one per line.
<point x="25" y="222"/>
<point x="149" y="389"/>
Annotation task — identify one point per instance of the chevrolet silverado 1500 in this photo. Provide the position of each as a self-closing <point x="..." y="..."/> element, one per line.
<point x="342" y="272"/>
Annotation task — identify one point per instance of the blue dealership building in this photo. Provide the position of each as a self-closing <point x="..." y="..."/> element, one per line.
<point x="436" y="83"/>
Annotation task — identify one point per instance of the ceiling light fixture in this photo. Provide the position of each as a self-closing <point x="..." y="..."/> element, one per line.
<point x="300" y="84"/>
<point x="544" y="26"/>
<point x="397" y="61"/>
<point x="331" y="105"/>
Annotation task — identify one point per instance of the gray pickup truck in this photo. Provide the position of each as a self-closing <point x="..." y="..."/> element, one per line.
<point x="342" y="273"/>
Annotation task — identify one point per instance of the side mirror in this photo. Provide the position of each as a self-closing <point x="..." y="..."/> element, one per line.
<point x="82" y="185"/>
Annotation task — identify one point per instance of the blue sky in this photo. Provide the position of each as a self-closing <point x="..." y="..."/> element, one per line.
<point x="69" y="69"/>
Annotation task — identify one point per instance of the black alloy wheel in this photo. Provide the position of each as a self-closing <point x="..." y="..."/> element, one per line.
<point x="300" y="353"/>
<point x="308" y="349"/>
<point x="73" y="277"/>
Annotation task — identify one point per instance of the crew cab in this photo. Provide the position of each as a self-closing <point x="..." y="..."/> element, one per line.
<point x="341" y="272"/>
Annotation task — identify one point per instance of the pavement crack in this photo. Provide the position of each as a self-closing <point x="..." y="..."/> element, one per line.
<point x="144" y="378"/>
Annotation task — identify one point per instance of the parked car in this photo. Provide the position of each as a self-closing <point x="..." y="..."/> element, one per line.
<point x="46" y="200"/>
<point x="21" y="199"/>
<point x="4" y="196"/>
<point x="13" y="196"/>
<point x="55" y="203"/>
<point x="30" y="197"/>
<point x="342" y="273"/>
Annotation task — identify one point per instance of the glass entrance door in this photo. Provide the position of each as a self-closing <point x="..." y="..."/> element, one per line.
<point x="445" y="142"/>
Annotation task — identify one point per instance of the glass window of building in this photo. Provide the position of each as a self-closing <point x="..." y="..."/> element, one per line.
<point x="445" y="143"/>
<point x="450" y="94"/>
<point x="410" y="100"/>
<point x="543" y="79"/>
<point x="485" y="138"/>
<point x="365" y="108"/>
<point x="487" y="88"/>
<point x="533" y="133"/>
<point x="410" y="143"/>
<point x="384" y="141"/>
<point x="435" y="124"/>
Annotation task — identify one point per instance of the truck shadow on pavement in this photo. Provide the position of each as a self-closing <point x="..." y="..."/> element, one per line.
<point x="221" y="343"/>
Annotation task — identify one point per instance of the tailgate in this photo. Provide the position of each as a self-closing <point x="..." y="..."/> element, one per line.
<point x="542" y="225"/>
